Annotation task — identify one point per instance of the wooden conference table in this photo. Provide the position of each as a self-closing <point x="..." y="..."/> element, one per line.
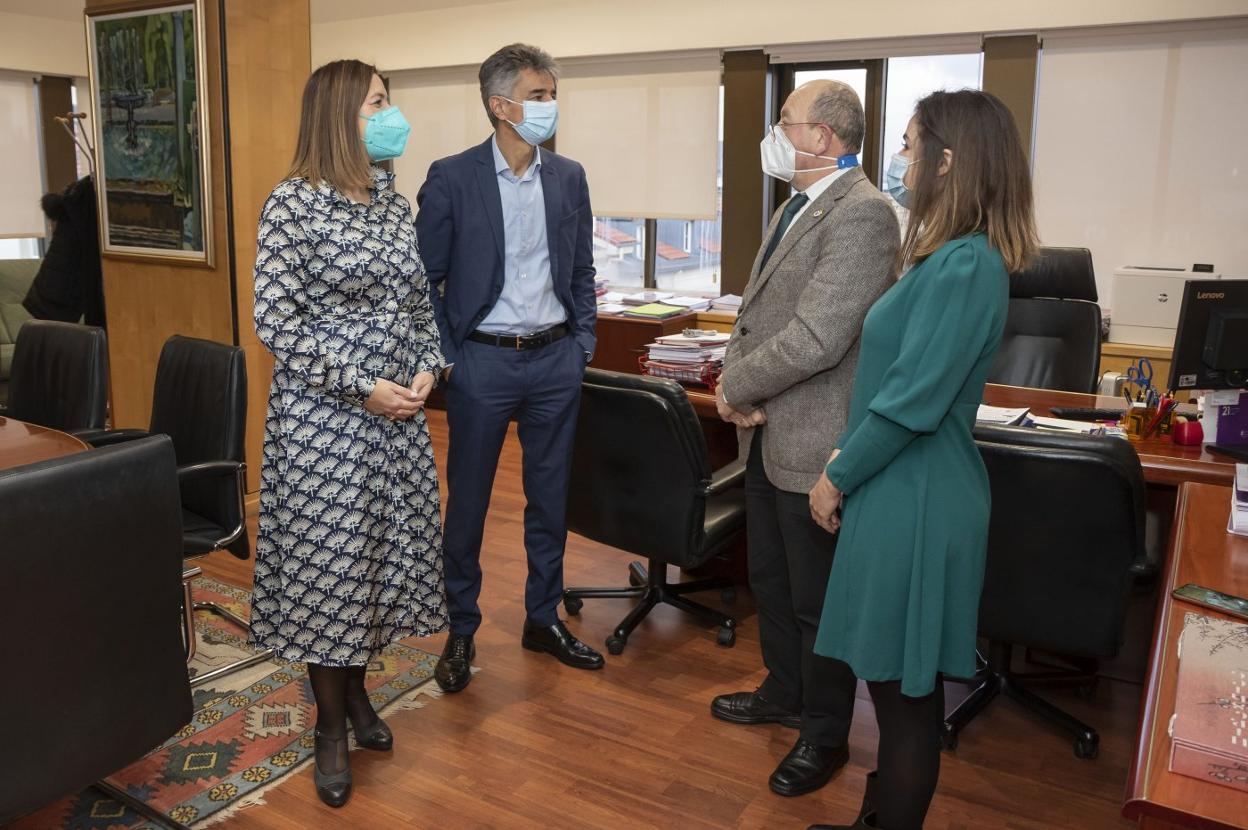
<point x="23" y="443"/>
<point x="1164" y="463"/>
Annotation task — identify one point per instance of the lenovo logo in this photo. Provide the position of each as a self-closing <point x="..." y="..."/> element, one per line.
<point x="1211" y="295"/>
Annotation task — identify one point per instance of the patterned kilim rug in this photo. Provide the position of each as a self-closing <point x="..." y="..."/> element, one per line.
<point x="251" y="729"/>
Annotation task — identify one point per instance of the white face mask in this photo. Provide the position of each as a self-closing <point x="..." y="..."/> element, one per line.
<point x="780" y="156"/>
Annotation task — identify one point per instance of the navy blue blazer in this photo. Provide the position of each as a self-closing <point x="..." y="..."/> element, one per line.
<point x="459" y="227"/>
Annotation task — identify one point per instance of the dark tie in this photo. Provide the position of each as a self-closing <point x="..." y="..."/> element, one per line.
<point x="790" y="210"/>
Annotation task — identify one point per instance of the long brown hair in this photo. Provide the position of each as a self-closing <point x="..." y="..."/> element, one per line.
<point x="987" y="187"/>
<point x="329" y="147"/>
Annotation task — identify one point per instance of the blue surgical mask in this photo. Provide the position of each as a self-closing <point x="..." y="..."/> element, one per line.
<point x="894" y="179"/>
<point x="385" y="134"/>
<point x="540" y="120"/>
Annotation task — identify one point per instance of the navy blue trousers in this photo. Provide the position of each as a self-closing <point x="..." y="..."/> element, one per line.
<point x="491" y="386"/>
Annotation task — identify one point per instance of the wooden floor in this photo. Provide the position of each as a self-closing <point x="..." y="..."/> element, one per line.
<point x="532" y="744"/>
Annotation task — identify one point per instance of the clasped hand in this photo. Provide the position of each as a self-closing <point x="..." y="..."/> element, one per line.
<point x="398" y="402"/>
<point x="825" y="500"/>
<point x="741" y="419"/>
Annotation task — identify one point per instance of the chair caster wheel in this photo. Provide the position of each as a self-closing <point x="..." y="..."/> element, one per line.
<point x="948" y="738"/>
<point x="573" y="605"/>
<point x="1086" y="749"/>
<point x="615" y="645"/>
<point x="726" y="636"/>
<point x="728" y="595"/>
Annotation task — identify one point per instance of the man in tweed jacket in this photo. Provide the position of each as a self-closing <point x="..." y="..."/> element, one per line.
<point x="788" y="374"/>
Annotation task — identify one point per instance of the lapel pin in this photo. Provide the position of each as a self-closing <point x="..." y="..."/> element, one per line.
<point x="817" y="213"/>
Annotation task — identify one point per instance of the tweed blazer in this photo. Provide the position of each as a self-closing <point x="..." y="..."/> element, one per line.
<point x="794" y="347"/>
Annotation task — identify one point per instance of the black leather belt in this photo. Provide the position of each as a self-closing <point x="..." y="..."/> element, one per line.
<point x="521" y="342"/>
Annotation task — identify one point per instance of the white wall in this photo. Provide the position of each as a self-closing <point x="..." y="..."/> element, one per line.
<point x="566" y="28"/>
<point x="43" y="45"/>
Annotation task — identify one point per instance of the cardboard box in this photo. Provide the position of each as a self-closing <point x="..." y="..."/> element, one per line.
<point x="1210" y="725"/>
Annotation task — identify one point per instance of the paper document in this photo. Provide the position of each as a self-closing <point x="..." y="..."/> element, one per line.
<point x="1085" y="427"/>
<point x="1000" y="415"/>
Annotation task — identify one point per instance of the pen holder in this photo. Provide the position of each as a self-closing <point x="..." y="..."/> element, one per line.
<point x="1136" y="420"/>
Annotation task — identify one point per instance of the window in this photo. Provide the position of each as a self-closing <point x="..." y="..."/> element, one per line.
<point x="912" y="78"/>
<point x="620" y="250"/>
<point x="21" y="248"/>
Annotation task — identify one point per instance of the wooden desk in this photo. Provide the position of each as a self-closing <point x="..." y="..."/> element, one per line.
<point x="1163" y="461"/>
<point x="1201" y="551"/>
<point x="23" y="443"/>
<point x="621" y="340"/>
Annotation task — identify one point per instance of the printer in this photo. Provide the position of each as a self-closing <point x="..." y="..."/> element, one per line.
<point x="1144" y="303"/>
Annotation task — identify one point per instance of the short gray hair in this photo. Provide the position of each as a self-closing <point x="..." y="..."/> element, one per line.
<point x="838" y="107"/>
<point x="501" y="70"/>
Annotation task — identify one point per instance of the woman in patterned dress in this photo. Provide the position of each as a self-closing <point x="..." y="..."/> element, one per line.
<point x="349" y="553"/>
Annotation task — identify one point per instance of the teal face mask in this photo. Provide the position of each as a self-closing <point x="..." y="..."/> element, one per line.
<point x="385" y="134"/>
<point x="540" y="120"/>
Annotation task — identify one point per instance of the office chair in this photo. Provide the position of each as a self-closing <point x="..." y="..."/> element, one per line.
<point x="200" y="401"/>
<point x="1052" y="337"/>
<point x="83" y="534"/>
<point x="642" y="482"/>
<point x="1067" y="526"/>
<point x="59" y="377"/>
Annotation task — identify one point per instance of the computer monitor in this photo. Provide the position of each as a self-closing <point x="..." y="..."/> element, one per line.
<point x="1211" y="347"/>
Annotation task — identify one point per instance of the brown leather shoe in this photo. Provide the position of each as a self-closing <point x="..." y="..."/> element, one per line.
<point x="751" y="708"/>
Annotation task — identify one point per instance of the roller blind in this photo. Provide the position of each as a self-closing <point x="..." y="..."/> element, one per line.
<point x="869" y="49"/>
<point x="646" y="128"/>
<point x="1139" y="151"/>
<point x="20" y="166"/>
<point x="447" y="117"/>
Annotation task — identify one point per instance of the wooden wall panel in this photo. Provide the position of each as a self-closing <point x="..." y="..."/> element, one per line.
<point x="268" y="54"/>
<point x="147" y="302"/>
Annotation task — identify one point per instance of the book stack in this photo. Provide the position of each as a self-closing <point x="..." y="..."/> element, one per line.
<point x="703" y="348"/>
<point x="727" y="304"/>
<point x="1238" y="523"/>
<point x="646" y="297"/>
<point x="601" y="286"/>
<point x="690" y="303"/>
<point x="651" y="311"/>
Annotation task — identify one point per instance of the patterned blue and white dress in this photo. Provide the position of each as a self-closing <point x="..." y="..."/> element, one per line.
<point x="349" y="554"/>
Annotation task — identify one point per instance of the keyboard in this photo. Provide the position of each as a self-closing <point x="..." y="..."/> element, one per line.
<point x="1082" y="413"/>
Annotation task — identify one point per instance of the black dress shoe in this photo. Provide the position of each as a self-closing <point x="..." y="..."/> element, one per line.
<point x="454" y="668"/>
<point x="751" y="708"/>
<point x="866" y="815"/>
<point x="334" y="789"/>
<point x="557" y="640"/>
<point x="866" y="822"/>
<point x="378" y="736"/>
<point x="807" y="768"/>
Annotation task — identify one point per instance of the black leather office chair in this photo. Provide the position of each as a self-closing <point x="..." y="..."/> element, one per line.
<point x="1067" y="527"/>
<point x="1052" y="337"/>
<point x="84" y="699"/>
<point x="642" y="482"/>
<point x="200" y="401"/>
<point x="59" y="377"/>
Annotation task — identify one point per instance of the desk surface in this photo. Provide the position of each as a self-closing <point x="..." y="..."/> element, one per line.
<point x="23" y="443"/>
<point x="1201" y="551"/>
<point x="1163" y="461"/>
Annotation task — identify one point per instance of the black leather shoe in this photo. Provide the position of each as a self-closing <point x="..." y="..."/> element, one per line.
<point x="751" y="708"/>
<point x="866" y="822"/>
<point x="807" y="768"/>
<point x="454" y="669"/>
<point x="557" y="640"/>
<point x="334" y="789"/>
<point x="378" y="736"/>
<point x="866" y="815"/>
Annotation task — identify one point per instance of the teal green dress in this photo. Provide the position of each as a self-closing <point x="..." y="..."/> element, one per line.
<point x="903" y="597"/>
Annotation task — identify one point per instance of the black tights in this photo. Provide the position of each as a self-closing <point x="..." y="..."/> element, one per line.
<point x="339" y="694"/>
<point x="909" y="753"/>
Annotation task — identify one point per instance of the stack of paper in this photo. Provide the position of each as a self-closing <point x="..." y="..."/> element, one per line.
<point x="652" y="311"/>
<point x="646" y="297"/>
<point x="690" y="349"/>
<point x="729" y="303"/>
<point x="601" y="285"/>
<point x="1239" y="502"/>
<point x="691" y="303"/>
<point x="1000" y="415"/>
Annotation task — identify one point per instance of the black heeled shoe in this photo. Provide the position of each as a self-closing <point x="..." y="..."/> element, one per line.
<point x="378" y="736"/>
<point x="334" y="789"/>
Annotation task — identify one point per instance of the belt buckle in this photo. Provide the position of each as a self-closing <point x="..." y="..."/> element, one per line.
<point x="519" y="339"/>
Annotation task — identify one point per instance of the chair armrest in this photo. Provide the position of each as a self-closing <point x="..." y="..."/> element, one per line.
<point x="208" y="469"/>
<point x="726" y="478"/>
<point x="108" y="437"/>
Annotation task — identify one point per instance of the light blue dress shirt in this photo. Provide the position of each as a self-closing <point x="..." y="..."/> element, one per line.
<point x="528" y="303"/>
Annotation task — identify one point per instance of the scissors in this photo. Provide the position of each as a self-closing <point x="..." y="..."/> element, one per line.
<point x="1140" y="374"/>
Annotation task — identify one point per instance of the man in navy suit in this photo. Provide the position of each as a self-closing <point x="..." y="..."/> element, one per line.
<point x="505" y="233"/>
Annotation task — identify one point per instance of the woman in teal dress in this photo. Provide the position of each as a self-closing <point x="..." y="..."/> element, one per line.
<point x="903" y="595"/>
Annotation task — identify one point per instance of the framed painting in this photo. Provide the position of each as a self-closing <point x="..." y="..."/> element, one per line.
<point x="148" y="80"/>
